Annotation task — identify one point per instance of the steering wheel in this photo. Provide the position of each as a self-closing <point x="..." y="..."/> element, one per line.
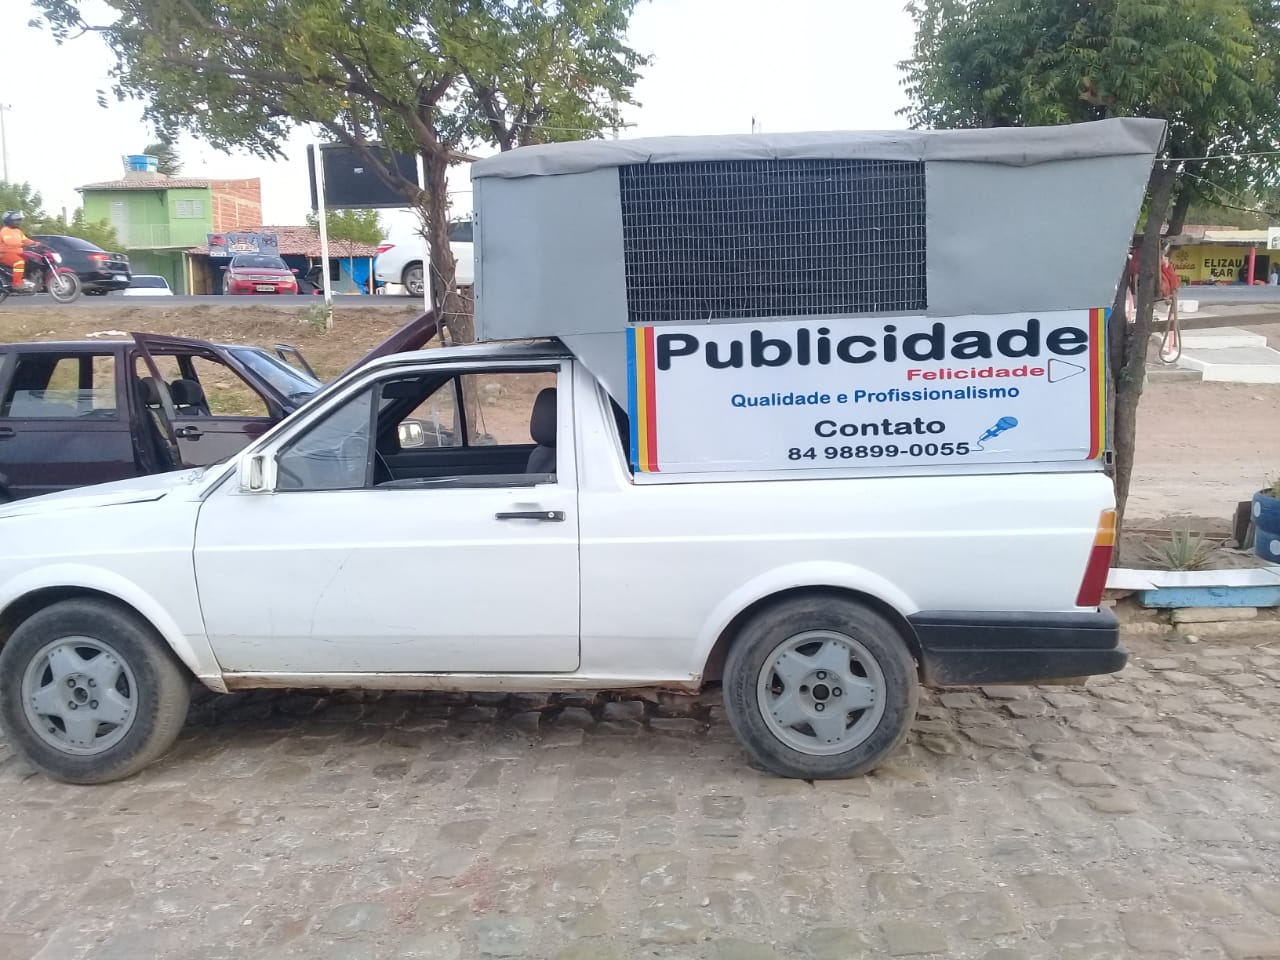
<point x="353" y="455"/>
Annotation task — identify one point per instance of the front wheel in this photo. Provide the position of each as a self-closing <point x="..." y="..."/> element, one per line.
<point x="89" y="693"/>
<point x="820" y="688"/>
<point x="63" y="287"/>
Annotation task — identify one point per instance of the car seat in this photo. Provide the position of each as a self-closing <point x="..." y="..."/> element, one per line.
<point x="156" y="448"/>
<point x="188" y="399"/>
<point x="542" y="429"/>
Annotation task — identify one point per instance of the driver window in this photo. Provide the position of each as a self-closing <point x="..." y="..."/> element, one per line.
<point x="333" y="454"/>
<point x="479" y="428"/>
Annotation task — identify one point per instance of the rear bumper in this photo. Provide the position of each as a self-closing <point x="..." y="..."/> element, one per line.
<point x="93" y="280"/>
<point x="962" y="648"/>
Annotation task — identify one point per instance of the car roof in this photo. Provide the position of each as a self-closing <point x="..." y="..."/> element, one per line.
<point x="96" y="346"/>
<point x="499" y="350"/>
<point x="489" y="350"/>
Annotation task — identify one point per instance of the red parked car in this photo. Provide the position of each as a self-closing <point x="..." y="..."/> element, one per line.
<point x="252" y="273"/>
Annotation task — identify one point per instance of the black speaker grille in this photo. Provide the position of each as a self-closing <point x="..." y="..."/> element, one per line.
<point x="772" y="238"/>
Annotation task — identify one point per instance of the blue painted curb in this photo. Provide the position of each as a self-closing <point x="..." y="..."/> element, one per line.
<point x="1171" y="597"/>
<point x="1167" y="589"/>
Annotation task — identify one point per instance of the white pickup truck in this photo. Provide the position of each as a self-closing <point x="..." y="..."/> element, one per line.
<point x="514" y="548"/>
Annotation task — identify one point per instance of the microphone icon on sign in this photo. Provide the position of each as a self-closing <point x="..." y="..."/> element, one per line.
<point x="999" y="427"/>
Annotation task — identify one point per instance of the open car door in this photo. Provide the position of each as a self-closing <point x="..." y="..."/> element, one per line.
<point x="414" y="335"/>
<point x="292" y="355"/>
<point x="204" y="433"/>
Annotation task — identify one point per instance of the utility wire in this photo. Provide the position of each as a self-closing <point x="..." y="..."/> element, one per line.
<point x="1221" y="156"/>
<point x="1223" y="190"/>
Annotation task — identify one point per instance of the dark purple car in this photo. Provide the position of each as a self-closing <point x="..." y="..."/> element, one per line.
<point x="78" y="413"/>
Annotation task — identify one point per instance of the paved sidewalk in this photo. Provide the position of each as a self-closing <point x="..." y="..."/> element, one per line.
<point x="1139" y="816"/>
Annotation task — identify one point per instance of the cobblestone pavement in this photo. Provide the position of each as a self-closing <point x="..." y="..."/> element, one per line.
<point x="1138" y="816"/>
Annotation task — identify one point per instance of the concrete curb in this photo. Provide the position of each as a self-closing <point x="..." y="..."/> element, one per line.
<point x="1197" y="605"/>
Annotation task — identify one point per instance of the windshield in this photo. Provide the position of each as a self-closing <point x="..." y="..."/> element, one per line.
<point x="158" y="282"/>
<point x="286" y="380"/>
<point x="259" y="261"/>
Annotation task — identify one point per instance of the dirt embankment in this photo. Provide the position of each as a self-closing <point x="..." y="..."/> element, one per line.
<point x="355" y="331"/>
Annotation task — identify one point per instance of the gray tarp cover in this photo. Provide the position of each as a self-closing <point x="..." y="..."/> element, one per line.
<point x="1014" y="146"/>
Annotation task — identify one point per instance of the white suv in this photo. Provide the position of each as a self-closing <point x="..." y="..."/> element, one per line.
<point x="400" y="260"/>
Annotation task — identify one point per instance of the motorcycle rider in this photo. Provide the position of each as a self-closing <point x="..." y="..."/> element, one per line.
<point x="13" y="243"/>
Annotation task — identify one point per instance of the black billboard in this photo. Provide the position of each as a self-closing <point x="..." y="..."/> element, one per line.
<point x="351" y="183"/>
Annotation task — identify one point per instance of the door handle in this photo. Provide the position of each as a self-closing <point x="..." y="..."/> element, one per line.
<point x="546" y="516"/>
<point x="188" y="433"/>
<point x="6" y="433"/>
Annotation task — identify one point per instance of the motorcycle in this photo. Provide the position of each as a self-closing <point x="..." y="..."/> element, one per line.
<point x="44" y="275"/>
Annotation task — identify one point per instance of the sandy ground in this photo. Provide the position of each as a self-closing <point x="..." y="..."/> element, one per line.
<point x="1202" y="446"/>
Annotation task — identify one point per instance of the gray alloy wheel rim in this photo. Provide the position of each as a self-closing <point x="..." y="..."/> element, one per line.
<point x="821" y="693"/>
<point x="79" y="696"/>
<point x="413" y="281"/>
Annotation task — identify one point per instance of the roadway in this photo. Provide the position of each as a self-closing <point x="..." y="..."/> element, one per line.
<point x="290" y="303"/>
<point x="1231" y="295"/>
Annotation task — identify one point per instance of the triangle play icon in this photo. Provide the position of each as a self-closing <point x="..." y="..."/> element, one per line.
<point x="1062" y="370"/>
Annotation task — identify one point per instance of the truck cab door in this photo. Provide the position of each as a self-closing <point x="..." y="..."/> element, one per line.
<point x="459" y="555"/>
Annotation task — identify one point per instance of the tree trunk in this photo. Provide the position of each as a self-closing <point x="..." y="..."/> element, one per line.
<point x="1178" y="216"/>
<point x="1130" y="373"/>
<point x="441" y="268"/>
<point x="1117" y="327"/>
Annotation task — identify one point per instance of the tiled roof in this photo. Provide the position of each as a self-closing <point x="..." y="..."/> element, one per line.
<point x="148" y="181"/>
<point x="304" y="242"/>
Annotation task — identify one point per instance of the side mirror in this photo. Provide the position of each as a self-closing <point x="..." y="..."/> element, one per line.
<point x="411" y="434"/>
<point x="257" y="474"/>
<point x="295" y="271"/>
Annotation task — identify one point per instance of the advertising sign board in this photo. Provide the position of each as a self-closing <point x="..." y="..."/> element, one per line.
<point x="229" y="244"/>
<point x="880" y="393"/>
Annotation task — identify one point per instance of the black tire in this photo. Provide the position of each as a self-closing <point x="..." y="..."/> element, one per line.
<point x="63" y="288"/>
<point x="94" y="292"/>
<point x="161" y="694"/>
<point x="413" y="279"/>
<point x="766" y="632"/>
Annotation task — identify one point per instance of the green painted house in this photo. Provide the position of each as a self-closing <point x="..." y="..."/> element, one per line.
<point x="160" y="218"/>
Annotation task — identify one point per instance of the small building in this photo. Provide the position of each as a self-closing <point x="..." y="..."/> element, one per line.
<point x="159" y="217"/>
<point x="1209" y="254"/>
<point x="350" y="264"/>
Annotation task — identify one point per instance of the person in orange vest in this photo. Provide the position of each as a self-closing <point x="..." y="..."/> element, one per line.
<point x="12" y="244"/>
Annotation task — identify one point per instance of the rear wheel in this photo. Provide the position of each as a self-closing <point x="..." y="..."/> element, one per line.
<point x="820" y="688"/>
<point x="413" y="282"/>
<point x="89" y="693"/>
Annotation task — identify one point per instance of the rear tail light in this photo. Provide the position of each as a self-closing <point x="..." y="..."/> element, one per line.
<point x="1095" y="572"/>
<point x="99" y="257"/>
<point x="384" y="247"/>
